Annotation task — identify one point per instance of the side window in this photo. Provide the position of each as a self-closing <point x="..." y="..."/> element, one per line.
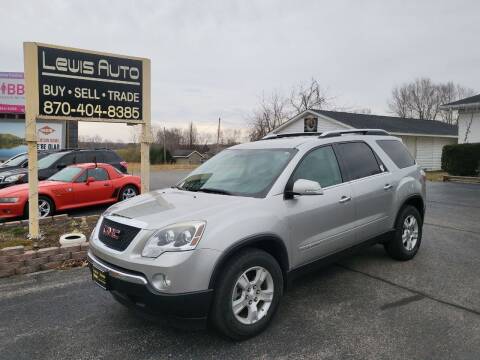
<point x="66" y="160"/>
<point x="319" y="165"/>
<point x="359" y="160"/>
<point x="82" y="177"/>
<point x="109" y="157"/>
<point x="397" y="152"/>
<point x="81" y="157"/>
<point x="98" y="173"/>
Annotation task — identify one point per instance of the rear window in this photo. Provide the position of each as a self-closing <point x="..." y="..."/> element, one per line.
<point x="397" y="152"/>
<point x="359" y="159"/>
<point x="109" y="157"/>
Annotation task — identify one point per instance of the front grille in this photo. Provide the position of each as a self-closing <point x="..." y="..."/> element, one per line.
<point x="115" y="235"/>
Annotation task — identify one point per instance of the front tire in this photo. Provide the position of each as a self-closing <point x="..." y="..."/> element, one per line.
<point x="46" y="207"/>
<point x="406" y="241"/>
<point x="247" y="295"/>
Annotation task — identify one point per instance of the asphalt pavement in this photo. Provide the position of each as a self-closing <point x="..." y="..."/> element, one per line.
<point x="365" y="307"/>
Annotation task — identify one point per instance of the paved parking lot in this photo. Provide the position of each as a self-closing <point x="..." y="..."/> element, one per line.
<point x="366" y="307"/>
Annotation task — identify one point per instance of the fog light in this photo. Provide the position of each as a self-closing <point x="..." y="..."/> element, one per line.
<point x="160" y="282"/>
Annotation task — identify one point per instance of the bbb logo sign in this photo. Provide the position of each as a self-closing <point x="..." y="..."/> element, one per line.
<point x="12" y="89"/>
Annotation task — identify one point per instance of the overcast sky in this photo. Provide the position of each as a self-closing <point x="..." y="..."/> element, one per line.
<point x="215" y="58"/>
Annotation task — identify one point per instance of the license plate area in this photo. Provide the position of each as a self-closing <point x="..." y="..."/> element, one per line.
<point x="100" y="277"/>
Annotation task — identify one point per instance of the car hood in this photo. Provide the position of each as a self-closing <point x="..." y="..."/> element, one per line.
<point x="23" y="188"/>
<point x="12" y="171"/>
<point x="162" y="207"/>
<point x="8" y="168"/>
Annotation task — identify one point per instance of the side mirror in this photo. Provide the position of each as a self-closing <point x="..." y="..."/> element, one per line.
<point x="90" y="179"/>
<point x="307" y="187"/>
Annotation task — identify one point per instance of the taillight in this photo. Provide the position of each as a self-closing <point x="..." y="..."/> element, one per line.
<point x="124" y="164"/>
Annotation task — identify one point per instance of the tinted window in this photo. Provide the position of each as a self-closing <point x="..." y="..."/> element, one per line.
<point x="109" y="157"/>
<point x="359" y="159"/>
<point x="397" y="152"/>
<point x="319" y="165"/>
<point x="98" y="173"/>
<point x="67" y="160"/>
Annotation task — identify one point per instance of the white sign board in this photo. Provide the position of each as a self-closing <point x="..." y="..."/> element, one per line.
<point x="12" y="93"/>
<point x="49" y="136"/>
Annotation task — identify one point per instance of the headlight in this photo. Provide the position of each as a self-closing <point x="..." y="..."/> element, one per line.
<point x="9" y="200"/>
<point x="13" y="178"/>
<point x="176" y="237"/>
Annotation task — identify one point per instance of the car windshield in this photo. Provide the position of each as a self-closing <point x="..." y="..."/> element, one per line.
<point x="48" y="160"/>
<point x="243" y="172"/>
<point x="15" y="161"/>
<point x="67" y="174"/>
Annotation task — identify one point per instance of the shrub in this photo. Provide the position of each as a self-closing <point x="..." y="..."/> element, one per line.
<point x="461" y="159"/>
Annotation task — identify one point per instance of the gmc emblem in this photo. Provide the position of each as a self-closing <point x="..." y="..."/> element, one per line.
<point x="111" y="232"/>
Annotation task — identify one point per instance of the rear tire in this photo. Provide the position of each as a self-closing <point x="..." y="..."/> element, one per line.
<point x="406" y="240"/>
<point x="252" y="283"/>
<point x="127" y="192"/>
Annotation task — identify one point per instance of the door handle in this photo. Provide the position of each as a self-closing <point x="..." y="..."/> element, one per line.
<point x="344" y="199"/>
<point x="106" y="185"/>
<point x="387" y="186"/>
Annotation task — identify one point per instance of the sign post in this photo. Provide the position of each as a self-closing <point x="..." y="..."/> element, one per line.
<point x="72" y="84"/>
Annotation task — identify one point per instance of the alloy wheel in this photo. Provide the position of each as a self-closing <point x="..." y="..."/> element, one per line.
<point x="128" y="193"/>
<point x="44" y="208"/>
<point x="410" y="232"/>
<point x="252" y="295"/>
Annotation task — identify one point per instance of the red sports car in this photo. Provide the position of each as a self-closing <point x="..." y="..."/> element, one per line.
<point x="72" y="187"/>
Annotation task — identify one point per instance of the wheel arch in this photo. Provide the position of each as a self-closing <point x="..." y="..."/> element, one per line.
<point x="269" y="243"/>
<point x="417" y="202"/>
<point x="119" y="189"/>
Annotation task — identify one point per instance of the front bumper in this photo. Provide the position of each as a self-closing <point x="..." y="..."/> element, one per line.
<point x="133" y="290"/>
<point x="11" y="210"/>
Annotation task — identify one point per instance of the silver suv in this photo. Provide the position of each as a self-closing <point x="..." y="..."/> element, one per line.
<point x="224" y="243"/>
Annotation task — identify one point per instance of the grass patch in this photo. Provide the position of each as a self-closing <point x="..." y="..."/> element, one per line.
<point x="51" y="230"/>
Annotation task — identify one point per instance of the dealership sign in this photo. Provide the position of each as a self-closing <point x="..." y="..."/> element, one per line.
<point x="79" y="85"/>
<point x="12" y="93"/>
<point x="49" y="136"/>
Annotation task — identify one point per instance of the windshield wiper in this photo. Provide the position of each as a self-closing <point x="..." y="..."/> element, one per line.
<point x="215" y="191"/>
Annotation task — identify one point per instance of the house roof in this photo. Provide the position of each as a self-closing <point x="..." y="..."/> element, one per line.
<point x="184" y="153"/>
<point x="392" y="124"/>
<point x="467" y="102"/>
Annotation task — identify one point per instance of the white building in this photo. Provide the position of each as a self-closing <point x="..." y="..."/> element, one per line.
<point x="425" y="139"/>
<point x="468" y="118"/>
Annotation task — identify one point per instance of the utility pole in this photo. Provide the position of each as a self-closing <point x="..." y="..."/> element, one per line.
<point x="164" y="146"/>
<point x="218" y="135"/>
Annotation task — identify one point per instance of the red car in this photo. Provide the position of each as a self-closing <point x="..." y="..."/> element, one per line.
<point x="72" y="187"/>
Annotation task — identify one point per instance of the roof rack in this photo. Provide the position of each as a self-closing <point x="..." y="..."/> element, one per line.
<point x="278" y="136"/>
<point x="354" y="131"/>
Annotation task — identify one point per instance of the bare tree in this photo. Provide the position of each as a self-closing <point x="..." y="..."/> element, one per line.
<point x="309" y="96"/>
<point x="421" y="99"/>
<point x="190" y="135"/>
<point x="270" y="114"/>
